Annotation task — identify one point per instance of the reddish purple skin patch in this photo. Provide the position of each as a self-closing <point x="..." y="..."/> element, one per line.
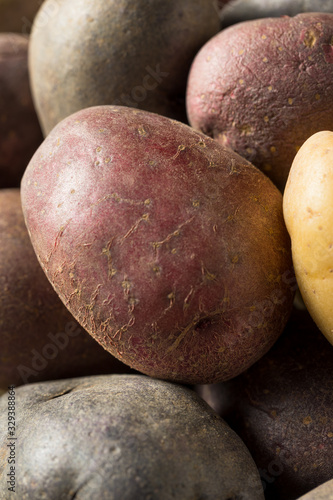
<point x="263" y="87"/>
<point x="169" y="249"/>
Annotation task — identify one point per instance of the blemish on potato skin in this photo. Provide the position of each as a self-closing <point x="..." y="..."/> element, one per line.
<point x="246" y="129"/>
<point x="157" y="270"/>
<point x="134" y="227"/>
<point x="180" y="148"/>
<point x="310" y="37"/>
<point x="107" y="252"/>
<point x="307" y="420"/>
<point x="158" y="244"/>
<point x="207" y="275"/>
<point x="172" y="297"/>
<point x="142" y="131"/>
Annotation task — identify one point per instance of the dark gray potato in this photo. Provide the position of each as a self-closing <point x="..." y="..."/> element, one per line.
<point x="127" y="52"/>
<point x="243" y="10"/>
<point x="323" y="492"/>
<point x="282" y="409"/>
<point x="123" y="437"/>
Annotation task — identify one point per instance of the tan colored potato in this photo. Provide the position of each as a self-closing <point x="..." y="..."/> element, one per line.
<point x="308" y="212"/>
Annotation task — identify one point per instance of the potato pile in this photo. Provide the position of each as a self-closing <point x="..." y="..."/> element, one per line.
<point x="166" y="250"/>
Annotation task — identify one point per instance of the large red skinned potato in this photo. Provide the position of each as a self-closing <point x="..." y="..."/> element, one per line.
<point x="263" y="87"/>
<point x="169" y="249"/>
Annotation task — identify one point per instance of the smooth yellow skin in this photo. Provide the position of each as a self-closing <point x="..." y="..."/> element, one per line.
<point x="308" y="213"/>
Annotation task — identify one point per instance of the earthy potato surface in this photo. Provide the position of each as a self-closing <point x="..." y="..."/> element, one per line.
<point x="122" y="437"/>
<point x="39" y="338"/>
<point x="20" y="132"/>
<point x="243" y="10"/>
<point x="308" y="212"/>
<point x="262" y="87"/>
<point x="169" y="249"/>
<point x="127" y="52"/>
<point x="282" y="408"/>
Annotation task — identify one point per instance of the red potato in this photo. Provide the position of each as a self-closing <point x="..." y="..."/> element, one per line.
<point x="263" y="87"/>
<point x="170" y="250"/>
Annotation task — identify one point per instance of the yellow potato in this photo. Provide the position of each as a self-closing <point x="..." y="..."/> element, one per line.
<point x="308" y="213"/>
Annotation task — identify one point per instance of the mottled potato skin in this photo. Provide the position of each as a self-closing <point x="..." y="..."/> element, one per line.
<point x="282" y="408"/>
<point x="126" y="52"/>
<point x="169" y="249"/>
<point x="39" y="338"/>
<point x="262" y="87"/>
<point x="243" y="10"/>
<point x="308" y="213"/>
<point x="20" y="132"/>
<point x="123" y="437"/>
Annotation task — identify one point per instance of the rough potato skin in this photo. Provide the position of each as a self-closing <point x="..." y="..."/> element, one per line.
<point x="20" y="132"/>
<point x="282" y="408"/>
<point x="243" y="10"/>
<point x="126" y="52"/>
<point x="262" y="87"/>
<point x="123" y="437"/>
<point x="169" y="249"/>
<point x="39" y="338"/>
